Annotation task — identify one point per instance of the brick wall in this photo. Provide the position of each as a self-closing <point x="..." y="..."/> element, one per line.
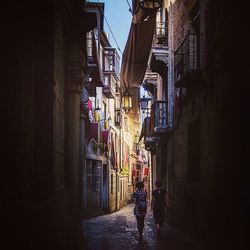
<point x="93" y="187"/>
<point x="210" y="203"/>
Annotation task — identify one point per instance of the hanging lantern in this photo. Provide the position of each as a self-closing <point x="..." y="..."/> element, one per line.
<point x="126" y="101"/>
<point x="150" y="4"/>
<point x="136" y="138"/>
<point x="144" y="101"/>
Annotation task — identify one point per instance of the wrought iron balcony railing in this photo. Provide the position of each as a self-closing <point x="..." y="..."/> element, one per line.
<point x="160" y="119"/>
<point x="109" y="86"/>
<point x="161" y="34"/>
<point x="186" y="59"/>
<point x="111" y="61"/>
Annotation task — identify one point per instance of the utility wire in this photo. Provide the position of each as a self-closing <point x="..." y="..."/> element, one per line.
<point x="111" y="32"/>
<point x="130" y="9"/>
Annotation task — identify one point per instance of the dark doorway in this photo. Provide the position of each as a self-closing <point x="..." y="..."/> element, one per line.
<point x="105" y="189"/>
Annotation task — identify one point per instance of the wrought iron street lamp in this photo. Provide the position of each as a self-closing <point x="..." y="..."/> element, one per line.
<point x="137" y="136"/>
<point x="150" y="4"/>
<point x="127" y="101"/>
<point x="144" y="104"/>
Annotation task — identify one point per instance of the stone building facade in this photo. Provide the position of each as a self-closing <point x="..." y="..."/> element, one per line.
<point x="196" y="153"/>
<point x="44" y="64"/>
<point x="204" y="126"/>
<point x="107" y="149"/>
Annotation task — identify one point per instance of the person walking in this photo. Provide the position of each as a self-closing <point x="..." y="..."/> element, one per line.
<point x="158" y="205"/>
<point x="140" y="209"/>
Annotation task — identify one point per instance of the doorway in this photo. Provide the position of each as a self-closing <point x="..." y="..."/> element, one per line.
<point x="105" y="189"/>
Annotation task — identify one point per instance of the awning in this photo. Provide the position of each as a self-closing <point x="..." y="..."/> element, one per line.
<point x="94" y="130"/>
<point x="137" y="49"/>
<point x="105" y="136"/>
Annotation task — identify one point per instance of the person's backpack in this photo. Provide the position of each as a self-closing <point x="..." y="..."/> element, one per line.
<point x="142" y="203"/>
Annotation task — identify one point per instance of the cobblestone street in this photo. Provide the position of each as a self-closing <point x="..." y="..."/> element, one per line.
<point x="119" y="231"/>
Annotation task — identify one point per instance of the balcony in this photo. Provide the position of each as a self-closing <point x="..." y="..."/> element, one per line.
<point x="109" y="86"/>
<point x="90" y="43"/>
<point x="111" y="61"/>
<point x="161" y="34"/>
<point x="93" y="65"/>
<point x="187" y="62"/>
<point x="160" y="119"/>
<point x="150" y="138"/>
<point x="158" y="58"/>
<point x="118" y="118"/>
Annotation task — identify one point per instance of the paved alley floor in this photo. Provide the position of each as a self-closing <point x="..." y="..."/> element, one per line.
<point x="119" y="231"/>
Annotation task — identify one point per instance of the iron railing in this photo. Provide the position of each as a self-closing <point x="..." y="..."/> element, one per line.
<point x="111" y="61"/>
<point x="161" y="34"/>
<point x="160" y="119"/>
<point x="186" y="57"/>
<point x="161" y="29"/>
<point x="109" y="85"/>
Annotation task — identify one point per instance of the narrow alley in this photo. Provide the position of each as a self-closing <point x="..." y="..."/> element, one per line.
<point x="106" y="101"/>
<point x="119" y="231"/>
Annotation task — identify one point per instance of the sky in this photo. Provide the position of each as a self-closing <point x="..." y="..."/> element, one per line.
<point x="119" y="19"/>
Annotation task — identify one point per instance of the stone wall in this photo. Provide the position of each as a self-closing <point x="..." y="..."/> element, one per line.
<point x="208" y="204"/>
<point x="112" y="195"/>
<point x="93" y="187"/>
<point x="40" y="202"/>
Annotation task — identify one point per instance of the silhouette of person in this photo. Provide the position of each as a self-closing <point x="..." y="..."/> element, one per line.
<point x="140" y="209"/>
<point x="136" y="181"/>
<point x="158" y="205"/>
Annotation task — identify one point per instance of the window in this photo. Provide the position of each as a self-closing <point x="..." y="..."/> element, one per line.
<point x="161" y="23"/>
<point x="195" y="17"/>
<point x="108" y="60"/>
<point x="89" y="44"/>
